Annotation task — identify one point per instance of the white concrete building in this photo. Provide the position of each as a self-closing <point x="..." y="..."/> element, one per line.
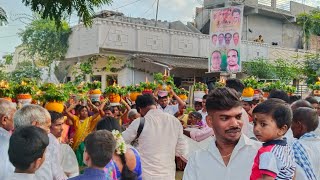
<point x="142" y="49"/>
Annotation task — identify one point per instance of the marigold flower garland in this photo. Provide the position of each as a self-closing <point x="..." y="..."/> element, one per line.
<point x="121" y="146"/>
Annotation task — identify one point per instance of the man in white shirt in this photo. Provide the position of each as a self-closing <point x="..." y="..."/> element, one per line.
<point x="203" y="111"/>
<point x="237" y="85"/>
<point x="7" y="110"/>
<point x="230" y="154"/>
<point x="160" y="141"/>
<point x="163" y="103"/>
<point x="38" y="116"/>
<point x="306" y="147"/>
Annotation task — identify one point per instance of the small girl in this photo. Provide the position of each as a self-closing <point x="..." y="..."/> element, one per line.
<point x="274" y="159"/>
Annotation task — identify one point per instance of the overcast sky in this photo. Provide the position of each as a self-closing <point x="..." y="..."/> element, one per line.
<point x="170" y="10"/>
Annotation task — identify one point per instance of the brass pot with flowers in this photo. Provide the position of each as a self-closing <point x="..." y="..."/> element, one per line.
<point x="182" y="93"/>
<point x="82" y="92"/>
<point x="290" y="90"/>
<point x="315" y="88"/>
<point x="250" y="85"/>
<point x="24" y="91"/>
<point x="114" y="94"/>
<point x="55" y="96"/>
<point x="95" y="92"/>
<point x="6" y="91"/>
<point x="135" y="91"/>
<point x="269" y="86"/>
<point x="148" y="87"/>
<point x="164" y="83"/>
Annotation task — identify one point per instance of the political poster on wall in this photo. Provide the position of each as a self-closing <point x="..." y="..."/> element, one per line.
<point x="225" y="39"/>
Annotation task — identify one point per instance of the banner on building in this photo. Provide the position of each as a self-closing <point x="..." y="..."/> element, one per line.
<point x="225" y="39"/>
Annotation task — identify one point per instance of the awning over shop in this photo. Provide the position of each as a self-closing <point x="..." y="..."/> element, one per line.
<point x="173" y="61"/>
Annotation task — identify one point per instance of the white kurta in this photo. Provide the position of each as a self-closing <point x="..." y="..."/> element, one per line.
<point x="160" y="141"/>
<point x="51" y="168"/>
<point x="6" y="167"/>
<point x="22" y="176"/>
<point x="171" y="109"/>
<point x="208" y="164"/>
<point x="312" y="146"/>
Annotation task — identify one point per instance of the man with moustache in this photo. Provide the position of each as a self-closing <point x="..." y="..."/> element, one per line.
<point x="232" y="60"/>
<point x="236" y="39"/>
<point x="230" y="154"/>
<point x="227" y="37"/>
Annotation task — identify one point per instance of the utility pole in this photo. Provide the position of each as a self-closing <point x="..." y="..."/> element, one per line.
<point x="157" y="13"/>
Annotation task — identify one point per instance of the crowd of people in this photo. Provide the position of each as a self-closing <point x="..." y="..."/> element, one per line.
<point x="155" y="136"/>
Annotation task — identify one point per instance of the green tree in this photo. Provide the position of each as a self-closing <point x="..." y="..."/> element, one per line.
<point x="260" y="68"/>
<point x="3" y="17"/>
<point x="287" y="71"/>
<point x="25" y="69"/>
<point x="44" y="42"/>
<point x="58" y="10"/>
<point x="310" y="23"/>
<point x="312" y="68"/>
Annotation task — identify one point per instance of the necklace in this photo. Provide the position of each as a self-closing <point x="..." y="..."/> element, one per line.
<point x="226" y="155"/>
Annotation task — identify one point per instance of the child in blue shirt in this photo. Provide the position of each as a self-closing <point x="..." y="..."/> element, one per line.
<point x="99" y="148"/>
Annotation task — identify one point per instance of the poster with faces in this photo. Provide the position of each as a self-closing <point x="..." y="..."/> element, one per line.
<point x="225" y="39"/>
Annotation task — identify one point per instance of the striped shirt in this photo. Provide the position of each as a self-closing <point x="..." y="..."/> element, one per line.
<point x="275" y="158"/>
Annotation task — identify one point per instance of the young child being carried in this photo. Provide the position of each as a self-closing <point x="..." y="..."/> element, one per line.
<point x="275" y="159"/>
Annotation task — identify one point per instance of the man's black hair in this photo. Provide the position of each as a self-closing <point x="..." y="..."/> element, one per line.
<point x="294" y="98"/>
<point x="236" y="10"/>
<point x="222" y="99"/>
<point x="27" y="144"/>
<point x="196" y="114"/>
<point x="279" y="94"/>
<point x="228" y="34"/>
<point x="100" y="145"/>
<point x="108" y="123"/>
<point x="55" y="116"/>
<point x="300" y="103"/>
<point x="307" y="116"/>
<point x="235" y="84"/>
<point x="312" y="100"/>
<point x="145" y="100"/>
<point x="280" y="112"/>
<point x="205" y="96"/>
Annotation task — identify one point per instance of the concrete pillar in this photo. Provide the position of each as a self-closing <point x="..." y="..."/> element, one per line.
<point x="87" y="78"/>
<point x="103" y="81"/>
<point x="274" y="4"/>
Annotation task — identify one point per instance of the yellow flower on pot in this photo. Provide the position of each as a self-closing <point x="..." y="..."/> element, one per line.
<point x="54" y="106"/>
<point x="114" y="93"/>
<point x="55" y="96"/>
<point x="248" y="92"/>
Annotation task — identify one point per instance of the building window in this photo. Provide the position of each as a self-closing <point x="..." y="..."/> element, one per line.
<point x="96" y="78"/>
<point x="111" y="79"/>
<point x="68" y="79"/>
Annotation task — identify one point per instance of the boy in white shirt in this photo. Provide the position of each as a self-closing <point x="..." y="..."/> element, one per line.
<point x="26" y="151"/>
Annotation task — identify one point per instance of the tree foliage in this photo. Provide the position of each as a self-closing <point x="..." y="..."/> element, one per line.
<point x="24" y="70"/>
<point x="312" y="68"/>
<point x="260" y="68"/>
<point x="3" y="17"/>
<point x="280" y="69"/>
<point x="44" y="42"/>
<point x="58" y="10"/>
<point x="287" y="71"/>
<point x="310" y="23"/>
